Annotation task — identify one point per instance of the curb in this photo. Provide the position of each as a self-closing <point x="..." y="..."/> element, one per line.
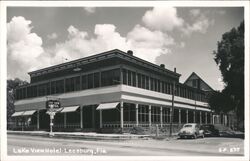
<point x="88" y="137"/>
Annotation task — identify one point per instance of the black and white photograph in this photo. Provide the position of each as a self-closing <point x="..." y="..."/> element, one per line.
<point x="149" y="81"/>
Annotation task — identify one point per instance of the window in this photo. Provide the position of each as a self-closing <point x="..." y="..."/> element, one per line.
<point x="165" y="115"/>
<point x="60" y="86"/>
<point x="139" y="80"/>
<point x="129" y="78"/>
<point x="147" y="82"/>
<point x="129" y="112"/>
<point x="194" y="82"/>
<point x="152" y="84"/>
<point x="84" y="82"/>
<point x="90" y="81"/>
<point x="110" y="77"/>
<point x="42" y="89"/>
<point x="48" y="88"/>
<point x="124" y="74"/>
<point x="155" y="114"/>
<point x="96" y="80"/>
<point x="134" y="79"/>
<point x="53" y="87"/>
<point x="143" y="113"/>
<point x="158" y="86"/>
<point x="143" y="81"/>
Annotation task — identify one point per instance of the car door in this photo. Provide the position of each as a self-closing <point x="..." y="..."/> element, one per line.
<point x="197" y="128"/>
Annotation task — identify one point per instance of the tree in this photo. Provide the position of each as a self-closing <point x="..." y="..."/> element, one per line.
<point x="11" y="86"/>
<point x="230" y="59"/>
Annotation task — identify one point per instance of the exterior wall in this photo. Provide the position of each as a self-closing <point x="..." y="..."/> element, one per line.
<point x="111" y="94"/>
<point x="86" y="97"/>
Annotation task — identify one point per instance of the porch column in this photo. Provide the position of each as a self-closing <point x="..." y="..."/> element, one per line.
<point x="194" y="116"/>
<point x="161" y="116"/>
<point x="121" y="114"/>
<point x="179" y="116"/>
<point x="100" y="118"/>
<point x="149" y="115"/>
<point x="136" y="114"/>
<point x="200" y="118"/>
<point x="206" y="118"/>
<point x="211" y="118"/>
<point x="93" y="116"/>
<point x="37" y="121"/>
<point x="186" y="116"/>
<point x="65" y="119"/>
<point x="226" y="122"/>
<point x="81" y="123"/>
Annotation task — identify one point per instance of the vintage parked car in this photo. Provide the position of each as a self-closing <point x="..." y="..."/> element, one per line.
<point x="191" y="130"/>
<point x="210" y="130"/>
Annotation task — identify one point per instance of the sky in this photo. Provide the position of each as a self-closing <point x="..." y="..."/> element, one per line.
<point x="181" y="37"/>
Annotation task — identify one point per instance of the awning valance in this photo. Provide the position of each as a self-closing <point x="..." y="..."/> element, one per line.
<point x="27" y="113"/>
<point x="69" y="109"/>
<point x="107" y="106"/>
<point x="19" y="113"/>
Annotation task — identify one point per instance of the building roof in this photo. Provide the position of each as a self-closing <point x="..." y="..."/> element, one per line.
<point x="101" y="56"/>
<point x="194" y="74"/>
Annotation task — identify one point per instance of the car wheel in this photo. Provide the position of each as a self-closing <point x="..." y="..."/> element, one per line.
<point x="195" y="136"/>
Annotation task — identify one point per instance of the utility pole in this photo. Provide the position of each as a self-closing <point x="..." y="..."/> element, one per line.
<point x="172" y="110"/>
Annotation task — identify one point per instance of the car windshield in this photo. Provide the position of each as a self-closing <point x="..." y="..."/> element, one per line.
<point x="187" y="125"/>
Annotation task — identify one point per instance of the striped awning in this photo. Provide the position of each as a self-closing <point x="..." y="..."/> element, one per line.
<point x="19" y="113"/>
<point x="69" y="109"/>
<point x="28" y="113"/>
<point x="107" y="106"/>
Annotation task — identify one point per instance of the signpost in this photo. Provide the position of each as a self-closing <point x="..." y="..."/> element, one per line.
<point x="52" y="106"/>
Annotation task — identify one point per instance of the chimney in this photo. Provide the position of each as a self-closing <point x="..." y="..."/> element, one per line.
<point x="162" y="65"/>
<point x="130" y="52"/>
<point x="175" y="70"/>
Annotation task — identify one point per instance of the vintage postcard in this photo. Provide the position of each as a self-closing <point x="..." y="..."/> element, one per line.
<point x="124" y="80"/>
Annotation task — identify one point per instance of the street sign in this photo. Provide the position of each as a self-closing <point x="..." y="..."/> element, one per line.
<point x="53" y="104"/>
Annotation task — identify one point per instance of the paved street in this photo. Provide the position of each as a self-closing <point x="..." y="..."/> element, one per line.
<point x="37" y="145"/>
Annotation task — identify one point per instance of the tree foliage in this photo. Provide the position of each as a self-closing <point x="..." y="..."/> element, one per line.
<point x="11" y="86"/>
<point x="230" y="59"/>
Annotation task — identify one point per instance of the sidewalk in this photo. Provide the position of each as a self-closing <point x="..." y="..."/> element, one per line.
<point x="82" y="135"/>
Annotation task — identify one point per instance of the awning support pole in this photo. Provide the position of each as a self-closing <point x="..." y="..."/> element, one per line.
<point x="206" y="117"/>
<point x="81" y="123"/>
<point x="149" y="115"/>
<point x="179" y="116"/>
<point x="161" y="116"/>
<point x="200" y="118"/>
<point x="65" y="119"/>
<point x="37" y="122"/>
<point x="100" y="118"/>
<point x="136" y="114"/>
<point x="121" y="114"/>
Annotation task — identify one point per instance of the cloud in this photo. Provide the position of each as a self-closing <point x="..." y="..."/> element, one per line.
<point x="162" y="18"/>
<point x="90" y="9"/>
<point x="52" y="36"/>
<point x="195" y="12"/>
<point x="149" y="44"/>
<point x="23" y="48"/>
<point x="200" y="23"/>
<point x="146" y="44"/>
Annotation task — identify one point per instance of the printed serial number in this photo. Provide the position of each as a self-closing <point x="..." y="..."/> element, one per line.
<point x="230" y="150"/>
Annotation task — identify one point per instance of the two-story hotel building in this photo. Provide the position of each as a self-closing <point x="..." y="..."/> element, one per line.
<point x="114" y="89"/>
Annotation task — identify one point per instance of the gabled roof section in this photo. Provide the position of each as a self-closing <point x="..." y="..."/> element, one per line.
<point x="193" y="76"/>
